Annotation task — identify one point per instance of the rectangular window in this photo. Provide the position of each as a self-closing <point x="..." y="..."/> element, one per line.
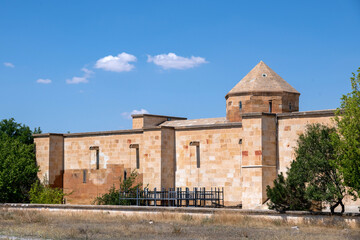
<point x="136" y="146"/>
<point x="84" y="176"/>
<point x="197" y="144"/>
<point x="97" y="159"/>
<point x="198" y="156"/>
<point x="137" y="158"/>
<point x="270" y="106"/>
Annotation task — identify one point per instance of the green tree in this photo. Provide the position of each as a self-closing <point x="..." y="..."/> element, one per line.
<point x="18" y="170"/>
<point x="348" y="124"/>
<point x="16" y="130"/>
<point x="313" y="175"/>
<point x="286" y="195"/>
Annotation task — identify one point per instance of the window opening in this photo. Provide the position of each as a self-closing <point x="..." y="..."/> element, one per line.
<point x="125" y="173"/>
<point x="97" y="160"/>
<point x="84" y="176"/>
<point x="137" y="159"/>
<point x="136" y="146"/>
<point x="240" y="105"/>
<point x="97" y="156"/>
<point x="197" y="144"/>
<point x="289" y="106"/>
<point x="270" y="106"/>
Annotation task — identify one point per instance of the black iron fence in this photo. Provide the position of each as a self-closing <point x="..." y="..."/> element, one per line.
<point x="198" y="197"/>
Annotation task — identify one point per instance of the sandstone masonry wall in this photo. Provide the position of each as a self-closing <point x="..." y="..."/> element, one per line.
<point x="220" y="160"/>
<point x="289" y="129"/>
<point x="167" y="158"/>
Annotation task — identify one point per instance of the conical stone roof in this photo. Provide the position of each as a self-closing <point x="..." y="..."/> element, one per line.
<point x="262" y="79"/>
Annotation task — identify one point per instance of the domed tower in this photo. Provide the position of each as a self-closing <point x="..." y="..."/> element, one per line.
<point x="261" y="90"/>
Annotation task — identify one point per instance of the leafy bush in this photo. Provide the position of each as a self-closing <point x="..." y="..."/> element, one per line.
<point x="128" y="186"/>
<point x="43" y="193"/>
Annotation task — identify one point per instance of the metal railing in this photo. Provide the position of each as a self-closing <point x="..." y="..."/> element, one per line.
<point x="198" y="197"/>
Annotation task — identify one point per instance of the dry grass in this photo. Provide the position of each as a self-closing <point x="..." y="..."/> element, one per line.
<point x="103" y="225"/>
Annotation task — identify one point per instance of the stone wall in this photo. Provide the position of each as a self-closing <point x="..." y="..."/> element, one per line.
<point x="167" y="158"/>
<point x="56" y="160"/>
<point x="113" y="149"/>
<point x="290" y="126"/>
<point x="49" y="158"/>
<point x="84" y="185"/>
<point x="220" y="160"/>
<point x="42" y="156"/>
<point x="150" y="120"/>
<point x="259" y="102"/>
<point x="252" y="162"/>
<point x="152" y="158"/>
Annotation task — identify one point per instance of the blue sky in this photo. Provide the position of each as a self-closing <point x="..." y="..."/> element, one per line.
<point x="86" y="65"/>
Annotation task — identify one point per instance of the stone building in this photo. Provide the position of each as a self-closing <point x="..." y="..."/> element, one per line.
<point x="242" y="152"/>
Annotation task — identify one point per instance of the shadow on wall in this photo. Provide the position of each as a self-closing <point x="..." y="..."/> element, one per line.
<point x="87" y="184"/>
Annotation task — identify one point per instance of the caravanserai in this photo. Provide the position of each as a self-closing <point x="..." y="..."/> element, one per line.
<point x="242" y="152"/>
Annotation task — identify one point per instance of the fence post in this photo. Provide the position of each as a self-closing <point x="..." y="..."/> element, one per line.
<point x="177" y="197"/>
<point x="223" y="196"/>
<point x="137" y="196"/>
<point x="146" y="196"/>
<point x="155" y="196"/>
<point x="196" y="198"/>
<point x="204" y="195"/>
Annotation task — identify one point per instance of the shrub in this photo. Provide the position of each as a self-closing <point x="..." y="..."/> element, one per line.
<point x="43" y="193"/>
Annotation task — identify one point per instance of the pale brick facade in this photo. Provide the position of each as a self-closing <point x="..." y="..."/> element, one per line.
<point x="242" y="152"/>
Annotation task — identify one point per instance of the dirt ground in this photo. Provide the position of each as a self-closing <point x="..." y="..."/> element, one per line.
<point x="53" y="225"/>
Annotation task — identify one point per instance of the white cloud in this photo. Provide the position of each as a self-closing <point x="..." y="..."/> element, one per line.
<point x="171" y="60"/>
<point x="9" y="64"/>
<point x="83" y="79"/>
<point x="119" y="63"/>
<point x="43" y="81"/>
<point x="128" y="115"/>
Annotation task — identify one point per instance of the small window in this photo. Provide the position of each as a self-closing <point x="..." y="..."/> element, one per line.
<point x="136" y="146"/>
<point x="169" y="118"/>
<point x="264" y="75"/>
<point x="198" y="156"/>
<point x="240" y="105"/>
<point x="84" y="176"/>
<point x="270" y="106"/>
<point x="125" y="173"/>
<point x="289" y="106"/>
<point x="97" y="159"/>
<point x="137" y="158"/>
<point x="197" y="144"/>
